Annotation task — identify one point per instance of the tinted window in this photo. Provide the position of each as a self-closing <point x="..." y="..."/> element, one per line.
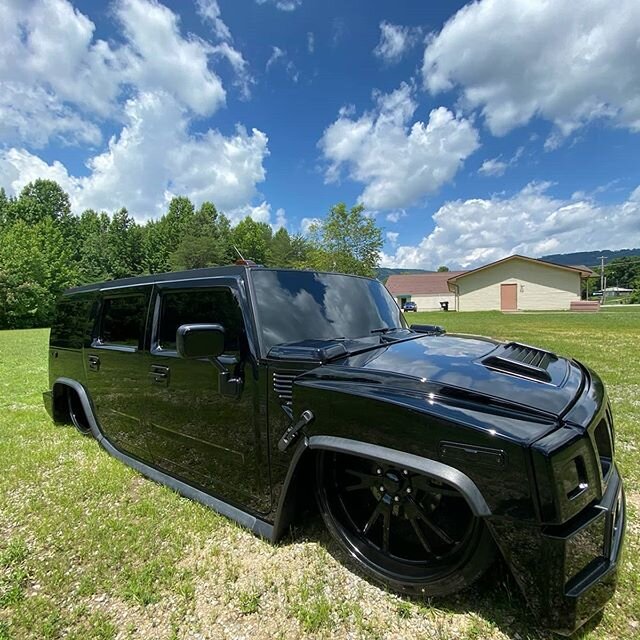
<point x="209" y="306"/>
<point x="70" y="324"/>
<point x="302" y="305"/>
<point x="123" y="320"/>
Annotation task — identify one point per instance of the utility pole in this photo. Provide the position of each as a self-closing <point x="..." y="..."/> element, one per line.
<point x="601" y="258"/>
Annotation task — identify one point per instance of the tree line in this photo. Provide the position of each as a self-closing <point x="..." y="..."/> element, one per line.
<point x="45" y="248"/>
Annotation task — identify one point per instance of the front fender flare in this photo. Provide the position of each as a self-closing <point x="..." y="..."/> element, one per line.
<point x="425" y="466"/>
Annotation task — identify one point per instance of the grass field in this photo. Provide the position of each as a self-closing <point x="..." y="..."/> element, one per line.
<point x="90" y="549"/>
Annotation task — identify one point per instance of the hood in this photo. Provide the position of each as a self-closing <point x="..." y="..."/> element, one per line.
<point x="526" y="378"/>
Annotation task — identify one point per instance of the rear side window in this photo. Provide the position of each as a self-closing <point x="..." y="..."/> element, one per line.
<point x="122" y="322"/>
<point x="209" y="306"/>
<point x="70" y="326"/>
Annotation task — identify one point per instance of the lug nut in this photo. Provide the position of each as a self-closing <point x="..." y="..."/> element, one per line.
<point x="379" y="471"/>
<point x="396" y="499"/>
<point x="405" y="472"/>
<point x="408" y="489"/>
<point x="382" y="489"/>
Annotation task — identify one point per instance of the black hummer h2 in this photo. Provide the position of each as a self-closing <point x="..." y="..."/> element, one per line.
<point x="251" y="389"/>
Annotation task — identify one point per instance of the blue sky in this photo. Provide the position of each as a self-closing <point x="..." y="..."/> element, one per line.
<point x="469" y="131"/>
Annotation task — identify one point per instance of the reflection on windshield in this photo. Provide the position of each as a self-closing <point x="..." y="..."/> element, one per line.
<point x="301" y="305"/>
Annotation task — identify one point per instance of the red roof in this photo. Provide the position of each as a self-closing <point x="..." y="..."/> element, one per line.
<point x="417" y="284"/>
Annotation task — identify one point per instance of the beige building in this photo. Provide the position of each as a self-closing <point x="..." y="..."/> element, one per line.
<point x="516" y="283"/>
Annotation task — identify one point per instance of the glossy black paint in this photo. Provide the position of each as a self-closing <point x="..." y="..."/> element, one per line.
<point x="526" y="438"/>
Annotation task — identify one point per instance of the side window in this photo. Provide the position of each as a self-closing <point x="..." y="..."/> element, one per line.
<point x="70" y="324"/>
<point x="122" y="321"/>
<point x="212" y="306"/>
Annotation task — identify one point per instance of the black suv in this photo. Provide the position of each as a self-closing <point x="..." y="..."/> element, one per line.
<point x="252" y="389"/>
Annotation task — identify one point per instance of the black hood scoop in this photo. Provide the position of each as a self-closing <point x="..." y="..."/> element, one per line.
<point x="521" y="360"/>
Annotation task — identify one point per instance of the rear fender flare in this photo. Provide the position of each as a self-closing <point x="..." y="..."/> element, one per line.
<point x="85" y="401"/>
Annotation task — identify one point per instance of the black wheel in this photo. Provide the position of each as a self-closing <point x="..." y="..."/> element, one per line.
<point x="409" y="532"/>
<point x="77" y="414"/>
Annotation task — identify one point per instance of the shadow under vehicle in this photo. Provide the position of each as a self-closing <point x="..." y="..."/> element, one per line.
<point x="256" y="391"/>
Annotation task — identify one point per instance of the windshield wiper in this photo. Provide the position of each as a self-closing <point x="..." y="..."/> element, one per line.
<point x="383" y="330"/>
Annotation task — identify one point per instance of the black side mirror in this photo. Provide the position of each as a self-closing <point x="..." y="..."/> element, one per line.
<point x="200" y="340"/>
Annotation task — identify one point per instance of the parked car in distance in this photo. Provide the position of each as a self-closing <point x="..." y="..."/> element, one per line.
<point x="254" y="390"/>
<point x="409" y="306"/>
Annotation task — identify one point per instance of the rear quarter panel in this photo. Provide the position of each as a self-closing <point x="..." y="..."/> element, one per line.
<point x="70" y="332"/>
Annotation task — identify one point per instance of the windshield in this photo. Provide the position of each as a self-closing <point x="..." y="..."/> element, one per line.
<point x="302" y="305"/>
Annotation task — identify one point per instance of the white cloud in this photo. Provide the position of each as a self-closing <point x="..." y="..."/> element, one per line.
<point x="33" y="116"/>
<point x="307" y="223"/>
<point x="279" y="56"/>
<point x="493" y="167"/>
<point x="395" y="216"/>
<point x="209" y="10"/>
<point x="567" y="62"/>
<point x="57" y="80"/>
<point x="281" y="219"/>
<point x="160" y="58"/>
<point x="395" y="40"/>
<point x="397" y="161"/>
<point x="283" y="5"/>
<point x="496" y="167"/>
<point x="153" y="158"/>
<point x="243" y="78"/>
<point x="472" y="232"/>
<point x="311" y="42"/>
<point x="392" y="237"/>
<point x="259" y="213"/>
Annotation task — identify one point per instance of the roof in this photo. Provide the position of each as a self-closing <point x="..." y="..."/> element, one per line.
<point x="208" y="272"/>
<point x="583" y="271"/>
<point x="417" y="284"/>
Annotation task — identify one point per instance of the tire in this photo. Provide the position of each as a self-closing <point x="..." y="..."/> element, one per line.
<point x="403" y="530"/>
<point x="77" y="414"/>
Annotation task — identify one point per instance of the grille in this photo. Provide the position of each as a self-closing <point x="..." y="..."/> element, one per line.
<point x="521" y="359"/>
<point x="283" y="385"/>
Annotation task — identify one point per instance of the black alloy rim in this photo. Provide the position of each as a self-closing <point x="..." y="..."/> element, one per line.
<point x="401" y="524"/>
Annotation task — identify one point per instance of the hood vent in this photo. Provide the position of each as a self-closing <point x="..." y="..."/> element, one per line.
<point x="283" y="385"/>
<point x="522" y="360"/>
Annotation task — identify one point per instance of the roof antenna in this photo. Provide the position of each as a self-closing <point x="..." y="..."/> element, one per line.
<point x="238" y="252"/>
<point x="242" y="261"/>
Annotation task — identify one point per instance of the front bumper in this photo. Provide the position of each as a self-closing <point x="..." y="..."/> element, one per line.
<point x="568" y="572"/>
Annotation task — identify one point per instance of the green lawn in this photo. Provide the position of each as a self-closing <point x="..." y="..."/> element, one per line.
<point x="90" y="549"/>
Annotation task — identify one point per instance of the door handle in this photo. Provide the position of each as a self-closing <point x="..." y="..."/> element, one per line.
<point x="94" y="363"/>
<point x="159" y="374"/>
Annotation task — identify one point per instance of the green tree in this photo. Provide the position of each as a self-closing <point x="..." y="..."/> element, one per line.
<point x="124" y="244"/>
<point x="288" y="251"/>
<point x="156" y="248"/>
<point x="39" y="200"/>
<point x="92" y="247"/>
<point x="35" y="267"/>
<point x="177" y="218"/>
<point x="4" y="206"/>
<point x="346" y="241"/>
<point x="205" y="240"/>
<point x="621" y="272"/>
<point x="443" y="269"/>
<point x="253" y="240"/>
